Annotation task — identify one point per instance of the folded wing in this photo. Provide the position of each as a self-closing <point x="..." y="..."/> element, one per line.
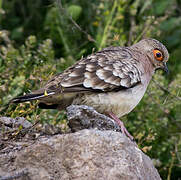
<point x="108" y="70"/>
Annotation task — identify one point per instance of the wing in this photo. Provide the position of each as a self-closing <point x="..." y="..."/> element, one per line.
<point x="111" y="69"/>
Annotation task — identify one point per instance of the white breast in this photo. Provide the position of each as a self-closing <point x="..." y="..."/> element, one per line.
<point x="120" y="103"/>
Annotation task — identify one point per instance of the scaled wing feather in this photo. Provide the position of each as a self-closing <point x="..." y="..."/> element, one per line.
<point x="107" y="70"/>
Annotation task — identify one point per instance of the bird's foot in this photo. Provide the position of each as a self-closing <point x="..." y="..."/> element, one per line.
<point x="121" y="124"/>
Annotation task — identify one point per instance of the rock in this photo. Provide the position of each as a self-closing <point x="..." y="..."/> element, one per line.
<point x="31" y="154"/>
<point x="81" y="117"/>
<point x="84" y="155"/>
<point x="15" y="123"/>
<point x="19" y="127"/>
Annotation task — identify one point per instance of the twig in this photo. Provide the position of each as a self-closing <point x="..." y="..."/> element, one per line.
<point x="172" y="119"/>
<point x="67" y="49"/>
<point x="166" y="90"/>
<point x="145" y="29"/>
<point x="176" y="152"/>
<point x="105" y="33"/>
<point x="25" y="131"/>
<point x="89" y="37"/>
<point x="132" y="21"/>
<point x="171" y="166"/>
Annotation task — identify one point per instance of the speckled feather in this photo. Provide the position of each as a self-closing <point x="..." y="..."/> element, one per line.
<point x="107" y="70"/>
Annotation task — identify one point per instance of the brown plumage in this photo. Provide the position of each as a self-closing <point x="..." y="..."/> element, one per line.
<point x="111" y="80"/>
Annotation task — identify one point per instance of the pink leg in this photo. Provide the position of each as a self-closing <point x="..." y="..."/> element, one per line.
<point x="121" y="124"/>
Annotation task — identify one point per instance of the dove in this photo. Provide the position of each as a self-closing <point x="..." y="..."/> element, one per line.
<point x="112" y="81"/>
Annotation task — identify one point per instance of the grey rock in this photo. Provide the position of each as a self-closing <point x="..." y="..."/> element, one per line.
<point x="90" y="154"/>
<point x="15" y="123"/>
<point x="81" y="117"/>
<point x="84" y="155"/>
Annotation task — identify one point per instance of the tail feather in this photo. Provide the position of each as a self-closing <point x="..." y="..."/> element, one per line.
<point x="30" y="97"/>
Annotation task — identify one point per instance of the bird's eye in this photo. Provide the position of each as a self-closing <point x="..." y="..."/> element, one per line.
<point x="158" y="54"/>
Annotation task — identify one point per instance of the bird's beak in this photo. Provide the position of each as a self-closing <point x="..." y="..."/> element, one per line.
<point x="165" y="68"/>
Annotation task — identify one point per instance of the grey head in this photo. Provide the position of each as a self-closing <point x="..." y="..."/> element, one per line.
<point x="155" y="51"/>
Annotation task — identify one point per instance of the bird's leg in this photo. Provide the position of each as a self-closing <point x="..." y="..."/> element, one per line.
<point x="121" y="124"/>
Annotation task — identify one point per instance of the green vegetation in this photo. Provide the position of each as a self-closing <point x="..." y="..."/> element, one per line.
<point x="41" y="38"/>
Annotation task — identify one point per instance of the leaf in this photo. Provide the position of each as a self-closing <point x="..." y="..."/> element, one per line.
<point x="170" y="24"/>
<point x="161" y="6"/>
<point x="75" y="11"/>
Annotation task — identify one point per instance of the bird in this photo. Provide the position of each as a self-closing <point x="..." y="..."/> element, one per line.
<point x="112" y="80"/>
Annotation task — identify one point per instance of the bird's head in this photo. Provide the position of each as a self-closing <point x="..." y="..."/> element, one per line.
<point x="155" y="51"/>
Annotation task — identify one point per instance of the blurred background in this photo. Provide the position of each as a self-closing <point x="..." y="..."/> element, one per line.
<point x="39" y="38"/>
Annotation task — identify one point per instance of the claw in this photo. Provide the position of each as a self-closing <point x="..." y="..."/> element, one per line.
<point x="121" y="124"/>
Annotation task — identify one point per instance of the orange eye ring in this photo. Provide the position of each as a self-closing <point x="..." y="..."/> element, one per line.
<point x="158" y="54"/>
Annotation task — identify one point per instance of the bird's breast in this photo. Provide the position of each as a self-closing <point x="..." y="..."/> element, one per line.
<point x="120" y="103"/>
